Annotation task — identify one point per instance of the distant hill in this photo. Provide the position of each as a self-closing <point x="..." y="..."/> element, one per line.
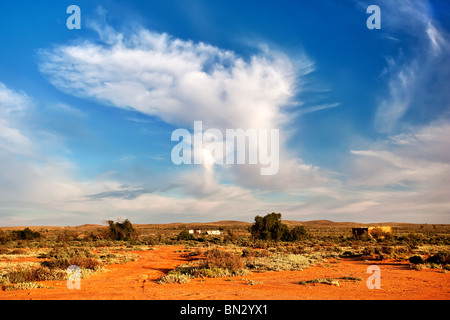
<point x="314" y="226"/>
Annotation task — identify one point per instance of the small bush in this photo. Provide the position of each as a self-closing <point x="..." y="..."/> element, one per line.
<point x="216" y="258"/>
<point x="185" y="235"/>
<point x="63" y="258"/>
<point x="112" y="258"/>
<point x="418" y="266"/>
<point x="217" y="263"/>
<point x="329" y="281"/>
<point x="4" y="237"/>
<point x="282" y="262"/>
<point x="296" y="234"/>
<point x="351" y="278"/>
<point x="332" y="281"/>
<point x="22" y="286"/>
<point x="174" y="278"/>
<point x="248" y="253"/>
<point x="24" y="275"/>
<point x="378" y="233"/>
<point x="416" y="259"/>
<point x="368" y="251"/>
<point x="439" y="258"/>
<point x="18" y="252"/>
<point x="4" y="250"/>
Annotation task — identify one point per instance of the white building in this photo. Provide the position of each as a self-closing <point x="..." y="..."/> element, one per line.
<point x="213" y="232"/>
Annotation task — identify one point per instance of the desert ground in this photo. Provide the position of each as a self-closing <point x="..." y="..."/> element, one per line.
<point x="340" y="272"/>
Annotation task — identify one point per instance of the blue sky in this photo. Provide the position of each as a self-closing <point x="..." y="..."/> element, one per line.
<point x="86" y="116"/>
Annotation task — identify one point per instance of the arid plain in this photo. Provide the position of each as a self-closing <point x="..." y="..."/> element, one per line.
<point x="157" y="264"/>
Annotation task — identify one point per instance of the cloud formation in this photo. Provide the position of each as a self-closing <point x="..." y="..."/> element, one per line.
<point x="176" y="80"/>
<point x="409" y="76"/>
<point x="182" y="82"/>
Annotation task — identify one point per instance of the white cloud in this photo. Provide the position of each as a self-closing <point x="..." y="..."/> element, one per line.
<point x="26" y="175"/>
<point x="12" y="102"/>
<point x="33" y="183"/>
<point x="318" y="108"/>
<point x="12" y="107"/>
<point x="410" y="73"/>
<point x="409" y="174"/>
<point x="179" y="81"/>
<point x="419" y="155"/>
<point x="401" y="92"/>
<point x="182" y="81"/>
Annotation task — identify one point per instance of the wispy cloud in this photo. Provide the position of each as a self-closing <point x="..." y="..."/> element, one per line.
<point x="318" y="108"/>
<point x="12" y="107"/>
<point x="409" y="75"/>
<point x="410" y="168"/>
<point x="124" y="193"/>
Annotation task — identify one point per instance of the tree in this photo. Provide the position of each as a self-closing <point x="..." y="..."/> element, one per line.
<point x="297" y="233"/>
<point x="25" y="234"/>
<point x="122" y="230"/>
<point x="270" y="227"/>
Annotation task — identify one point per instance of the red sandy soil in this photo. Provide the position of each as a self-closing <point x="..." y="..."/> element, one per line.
<point x="137" y="280"/>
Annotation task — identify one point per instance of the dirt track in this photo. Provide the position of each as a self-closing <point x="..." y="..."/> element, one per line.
<point x="138" y="280"/>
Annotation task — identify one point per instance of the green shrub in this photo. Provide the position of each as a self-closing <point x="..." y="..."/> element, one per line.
<point x="281" y="262"/>
<point x="329" y="281"/>
<point x="368" y="251"/>
<point x="4" y="237"/>
<point x="439" y="258"/>
<point x="217" y="263"/>
<point x="112" y="258"/>
<point x="26" y="274"/>
<point x="25" y="234"/>
<point x="22" y="286"/>
<point x="185" y="235"/>
<point x="296" y="234"/>
<point x="188" y="271"/>
<point x="62" y="258"/>
<point x="246" y="252"/>
<point x="122" y="230"/>
<point x="174" y="278"/>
